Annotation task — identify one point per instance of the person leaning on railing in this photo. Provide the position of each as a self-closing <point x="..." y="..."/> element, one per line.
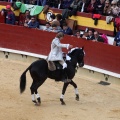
<point x="23" y="18"/>
<point x="33" y="23"/>
<point x="9" y="15"/>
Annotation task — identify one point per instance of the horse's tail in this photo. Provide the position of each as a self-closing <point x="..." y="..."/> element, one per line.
<point x="23" y="80"/>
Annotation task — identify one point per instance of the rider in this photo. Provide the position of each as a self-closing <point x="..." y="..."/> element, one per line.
<point x="56" y="53"/>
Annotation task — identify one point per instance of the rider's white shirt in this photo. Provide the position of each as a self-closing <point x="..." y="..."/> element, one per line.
<point x="56" y="50"/>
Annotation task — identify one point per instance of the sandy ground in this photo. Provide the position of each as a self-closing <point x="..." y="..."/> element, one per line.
<point x="97" y="102"/>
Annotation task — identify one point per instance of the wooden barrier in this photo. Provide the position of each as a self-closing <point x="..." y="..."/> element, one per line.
<point x="84" y="20"/>
<point x="98" y="54"/>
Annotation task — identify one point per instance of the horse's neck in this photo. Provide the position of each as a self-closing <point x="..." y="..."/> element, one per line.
<point x="74" y="61"/>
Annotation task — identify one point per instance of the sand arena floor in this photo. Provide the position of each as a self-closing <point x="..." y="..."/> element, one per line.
<point x="97" y="102"/>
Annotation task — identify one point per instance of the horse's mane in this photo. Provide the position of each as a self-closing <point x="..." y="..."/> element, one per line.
<point x="73" y="50"/>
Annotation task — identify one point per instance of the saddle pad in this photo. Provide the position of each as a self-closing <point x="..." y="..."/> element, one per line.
<point x="51" y="66"/>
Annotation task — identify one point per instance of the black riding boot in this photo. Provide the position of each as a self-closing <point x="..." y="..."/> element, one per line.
<point x="64" y="75"/>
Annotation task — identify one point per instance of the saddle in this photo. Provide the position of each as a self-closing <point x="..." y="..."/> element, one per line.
<point x="54" y="65"/>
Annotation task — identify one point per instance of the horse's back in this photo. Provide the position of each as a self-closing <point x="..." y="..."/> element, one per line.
<point x="39" y="65"/>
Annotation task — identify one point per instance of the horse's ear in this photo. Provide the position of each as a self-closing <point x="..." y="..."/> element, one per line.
<point x="82" y="47"/>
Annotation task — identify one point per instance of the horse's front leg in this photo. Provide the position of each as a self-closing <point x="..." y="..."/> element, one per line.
<point x="63" y="92"/>
<point x="76" y="90"/>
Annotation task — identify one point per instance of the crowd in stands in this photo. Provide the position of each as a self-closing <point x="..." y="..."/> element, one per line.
<point x="109" y="8"/>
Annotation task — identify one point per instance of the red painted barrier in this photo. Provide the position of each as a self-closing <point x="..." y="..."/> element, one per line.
<point x="2" y="18"/>
<point x="36" y="41"/>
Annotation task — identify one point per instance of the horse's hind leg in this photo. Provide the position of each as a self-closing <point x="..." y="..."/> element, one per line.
<point x="34" y="91"/>
<point x="76" y="90"/>
<point x="38" y="97"/>
<point x="63" y="92"/>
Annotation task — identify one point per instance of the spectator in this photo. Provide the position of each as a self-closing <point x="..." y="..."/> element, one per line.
<point x="24" y="17"/>
<point x="9" y="15"/>
<point x="53" y="3"/>
<point x="27" y="21"/>
<point x="41" y="2"/>
<point x="56" y="20"/>
<point x="107" y="8"/>
<point x="32" y="2"/>
<point x="84" y="35"/>
<point x="114" y="9"/>
<point x="98" y="37"/>
<point x="105" y="38"/>
<point x="117" y="39"/>
<point x="67" y="30"/>
<point x="33" y="23"/>
<point x="100" y="7"/>
<point x="77" y="34"/>
<point x="47" y="27"/>
<point x="118" y="3"/>
<point x="90" y="35"/>
<point x="91" y="7"/>
<point x="83" y="6"/>
<point x="54" y="28"/>
<point x="75" y="6"/>
<point x="66" y="4"/>
<point x="60" y="19"/>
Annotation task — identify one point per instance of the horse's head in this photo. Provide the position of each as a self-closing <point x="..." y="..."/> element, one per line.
<point x="78" y="54"/>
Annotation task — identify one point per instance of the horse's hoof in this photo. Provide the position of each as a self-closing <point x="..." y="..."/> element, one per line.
<point x="37" y="104"/>
<point x="39" y="100"/>
<point x="77" y="97"/>
<point x="62" y="101"/>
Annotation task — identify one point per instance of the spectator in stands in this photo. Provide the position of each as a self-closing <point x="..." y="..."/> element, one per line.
<point x="83" y="6"/>
<point x="33" y="23"/>
<point x="9" y="15"/>
<point x="118" y="4"/>
<point x="91" y="6"/>
<point x="56" y="20"/>
<point x="75" y="6"/>
<point x="67" y="30"/>
<point x="117" y="39"/>
<point x="98" y="37"/>
<point x="105" y="38"/>
<point x="90" y="35"/>
<point x="27" y="21"/>
<point x="32" y="2"/>
<point x="41" y="2"/>
<point x="47" y="27"/>
<point x="53" y="3"/>
<point x="107" y="8"/>
<point x="114" y="9"/>
<point x="60" y="19"/>
<point x="23" y="17"/>
<point x="66" y="4"/>
<point x="54" y="28"/>
<point x="84" y="35"/>
<point x="100" y="6"/>
<point x="77" y="34"/>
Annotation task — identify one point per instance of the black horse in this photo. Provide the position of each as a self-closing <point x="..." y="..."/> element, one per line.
<point x="39" y="72"/>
